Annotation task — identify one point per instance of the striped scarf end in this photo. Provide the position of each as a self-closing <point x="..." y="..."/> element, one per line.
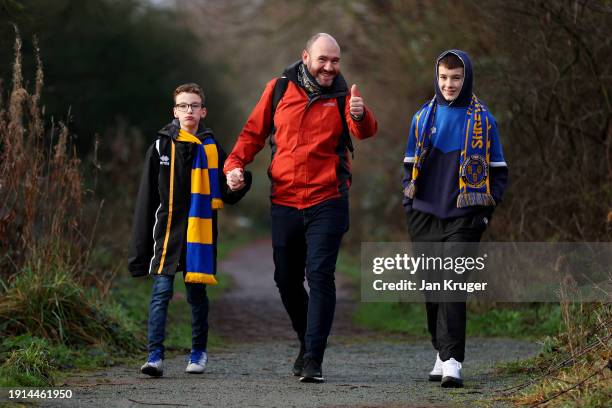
<point x="472" y="199"/>
<point x="199" y="277"/>
<point x="410" y="191"/>
<point x="217" y="203"/>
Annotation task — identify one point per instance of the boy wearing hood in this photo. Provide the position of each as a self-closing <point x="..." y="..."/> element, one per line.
<point x="454" y="176"/>
<point x="175" y="222"/>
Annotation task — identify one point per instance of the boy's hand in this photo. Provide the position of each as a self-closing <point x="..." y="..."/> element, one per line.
<point x="356" y="103"/>
<point x="235" y="179"/>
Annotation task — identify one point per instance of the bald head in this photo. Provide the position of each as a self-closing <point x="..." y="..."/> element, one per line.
<point x="322" y="58"/>
<point x="324" y="37"/>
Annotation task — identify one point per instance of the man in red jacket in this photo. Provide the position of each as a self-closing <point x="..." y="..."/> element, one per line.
<point x="308" y="113"/>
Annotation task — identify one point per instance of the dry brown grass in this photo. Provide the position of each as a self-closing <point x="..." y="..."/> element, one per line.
<point x="40" y="180"/>
<point x="575" y="368"/>
<point x="45" y="271"/>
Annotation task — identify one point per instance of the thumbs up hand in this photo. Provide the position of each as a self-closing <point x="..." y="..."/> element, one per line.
<point x="356" y="105"/>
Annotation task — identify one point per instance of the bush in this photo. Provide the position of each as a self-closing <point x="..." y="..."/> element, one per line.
<point x="47" y="302"/>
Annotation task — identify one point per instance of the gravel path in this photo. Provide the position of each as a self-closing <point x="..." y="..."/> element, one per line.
<point x="362" y="369"/>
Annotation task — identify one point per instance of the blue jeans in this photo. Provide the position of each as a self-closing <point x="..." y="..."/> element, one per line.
<point x="306" y="244"/>
<point x="163" y="286"/>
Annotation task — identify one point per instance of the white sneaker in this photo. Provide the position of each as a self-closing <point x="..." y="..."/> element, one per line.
<point x="154" y="365"/>
<point x="197" y="362"/>
<point x="436" y="373"/>
<point x="451" y="374"/>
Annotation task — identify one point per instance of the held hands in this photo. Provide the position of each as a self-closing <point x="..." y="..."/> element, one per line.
<point x="357" y="107"/>
<point x="235" y="179"/>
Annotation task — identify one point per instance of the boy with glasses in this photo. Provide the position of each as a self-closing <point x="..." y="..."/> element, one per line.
<point x="175" y="222"/>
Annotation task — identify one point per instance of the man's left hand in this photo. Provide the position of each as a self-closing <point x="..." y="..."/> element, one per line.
<point x="357" y="107"/>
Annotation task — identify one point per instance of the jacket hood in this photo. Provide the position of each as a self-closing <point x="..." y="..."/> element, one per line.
<point x="338" y="86"/>
<point x="171" y="130"/>
<point x="465" y="95"/>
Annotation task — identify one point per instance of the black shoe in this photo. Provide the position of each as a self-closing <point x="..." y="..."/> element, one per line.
<point x="435" y="378"/>
<point x="312" y="372"/>
<point x="298" y="366"/>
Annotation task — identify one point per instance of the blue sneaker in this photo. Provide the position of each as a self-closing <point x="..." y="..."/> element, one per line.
<point x="197" y="362"/>
<point x="154" y="365"/>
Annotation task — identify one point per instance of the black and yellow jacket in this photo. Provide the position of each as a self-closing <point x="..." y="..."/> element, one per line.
<point x="157" y="248"/>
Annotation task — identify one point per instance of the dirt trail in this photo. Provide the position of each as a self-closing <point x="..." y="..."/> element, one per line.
<point x="252" y="310"/>
<point x="363" y="369"/>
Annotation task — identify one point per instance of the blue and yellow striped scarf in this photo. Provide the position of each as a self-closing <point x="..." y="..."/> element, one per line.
<point x="474" y="161"/>
<point x="205" y="197"/>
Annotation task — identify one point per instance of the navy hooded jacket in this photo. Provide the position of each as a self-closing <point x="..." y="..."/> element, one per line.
<point x="438" y="183"/>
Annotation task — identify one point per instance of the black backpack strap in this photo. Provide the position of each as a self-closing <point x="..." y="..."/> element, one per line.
<point x="279" y="90"/>
<point x="277" y="94"/>
<point x="346" y="135"/>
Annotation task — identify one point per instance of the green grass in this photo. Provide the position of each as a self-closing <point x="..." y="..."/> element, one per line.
<point x="51" y="325"/>
<point x="27" y="362"/>
<point x="48" y="302"/>
<point x="410" y="318"/>
<point x="30" y="360"/>
<point x="517" y="320"/>
<point x="33" y="361"/>
<point x="50" y="322"/>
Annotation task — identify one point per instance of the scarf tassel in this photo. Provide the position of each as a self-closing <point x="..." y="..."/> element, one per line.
<point x="198" y="277"/>
<point x="410" y="191"/>
<point x="217" y="203"/>
<point x="473" y="198"/>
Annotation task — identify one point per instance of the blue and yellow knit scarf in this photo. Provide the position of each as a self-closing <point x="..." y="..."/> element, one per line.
<point x="474" y="161"/>
<point x="205" y="197"/>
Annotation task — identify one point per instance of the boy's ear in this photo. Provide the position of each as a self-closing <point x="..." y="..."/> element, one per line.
<point x="204" y="113"/>
<point x="174" y="113"/>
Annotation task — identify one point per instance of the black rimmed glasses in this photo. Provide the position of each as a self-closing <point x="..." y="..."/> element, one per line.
<point x="184" y="107"/>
